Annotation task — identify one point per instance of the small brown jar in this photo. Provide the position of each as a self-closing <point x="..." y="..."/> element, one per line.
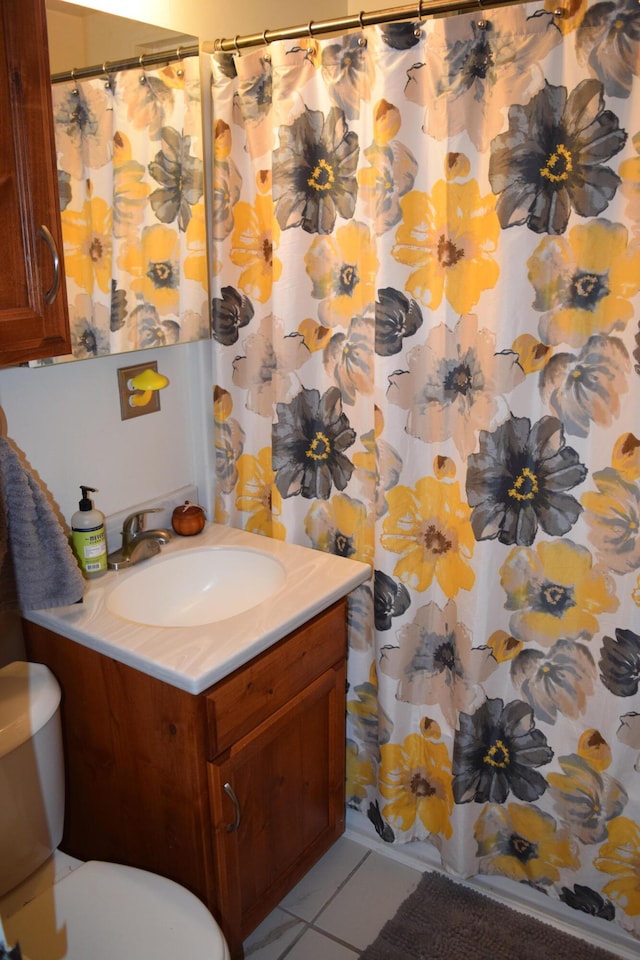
<point x="188" y="520"/>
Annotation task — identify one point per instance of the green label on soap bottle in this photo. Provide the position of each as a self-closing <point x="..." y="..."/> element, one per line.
<point x="90" y="547"/>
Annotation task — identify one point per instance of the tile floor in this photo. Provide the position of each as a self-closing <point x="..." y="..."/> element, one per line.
<point x="337" y="909"/>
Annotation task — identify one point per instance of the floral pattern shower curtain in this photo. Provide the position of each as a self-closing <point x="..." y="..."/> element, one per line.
<point x="427" y="342"/>
<point x="130" y="172"/>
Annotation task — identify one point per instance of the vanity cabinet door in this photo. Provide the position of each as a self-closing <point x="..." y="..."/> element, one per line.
<point x="277" y="800"/>
<point x="33" y="307"/>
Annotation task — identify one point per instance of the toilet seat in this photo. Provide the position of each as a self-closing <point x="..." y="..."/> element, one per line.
<point x="105" y="910"/>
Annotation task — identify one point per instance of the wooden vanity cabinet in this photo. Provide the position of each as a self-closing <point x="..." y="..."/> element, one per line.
<point x="33" y="306"/>
<point x="234" y="793"/>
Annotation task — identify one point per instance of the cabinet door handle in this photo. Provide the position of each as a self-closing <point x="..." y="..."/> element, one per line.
<point x="52" y="292"/>
<point x="228" y="789"/>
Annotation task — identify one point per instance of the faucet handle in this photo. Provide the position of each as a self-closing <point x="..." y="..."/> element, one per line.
<point x="134" y="523"/>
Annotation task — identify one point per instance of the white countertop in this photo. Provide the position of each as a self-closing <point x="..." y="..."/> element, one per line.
<point x="194" y="658"/>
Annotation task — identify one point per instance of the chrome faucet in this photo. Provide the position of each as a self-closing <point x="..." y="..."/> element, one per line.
<point x="137" y="543"/>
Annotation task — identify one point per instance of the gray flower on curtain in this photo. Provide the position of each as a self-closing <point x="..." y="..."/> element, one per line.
<point x="391" y="599"/>
<point x="397" y="317"/>
<point x="347" y="69"/>
<point x="495" y="752"/>
<point x="64" y="189"/>
<point x="588" y="901"/>
<point x="309" y="440"/>
<point x="82" y="116"/>
<point x="608" y="39"/>
<point x="551" y="159"/>
<point x="314" y="171"/>
<point x="180" y="177"/>
<point x="519" y="479"/>
<point x="255" y="95"/>
<point x="435" y="662"/>
<point x="399" y="36"/>
<point x="586" y="798"/>
<point x="118" y="313"/>
<point x="558" y="681"/>
<point x="146" y="329"/>
<point x="229" y="312"/>
<point x="586" y="387"/>
<point x="620" y="663"/>
<point x="89" y="323"/>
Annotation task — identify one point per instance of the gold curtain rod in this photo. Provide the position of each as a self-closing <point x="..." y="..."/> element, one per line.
<point x="113" y="66"/>
<point x="425" y="8"/>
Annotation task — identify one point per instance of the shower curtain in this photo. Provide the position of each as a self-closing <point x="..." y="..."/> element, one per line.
<point x="130" y="173"/>
<point x="426" y="257"/>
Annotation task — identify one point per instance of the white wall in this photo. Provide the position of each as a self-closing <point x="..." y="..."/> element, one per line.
<point x="65" y="419"/>
<point x="210" y="19"/>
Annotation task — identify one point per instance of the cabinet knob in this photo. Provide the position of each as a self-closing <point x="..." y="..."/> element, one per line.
<point x="52" y="292"/>
<point x="231" y="827"/>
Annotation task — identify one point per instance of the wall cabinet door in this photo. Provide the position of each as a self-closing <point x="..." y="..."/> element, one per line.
<point x="277" y="799"/>
<point x="33" y="307"/>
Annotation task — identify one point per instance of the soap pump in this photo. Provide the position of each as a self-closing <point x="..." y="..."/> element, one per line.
<point x="88" y="536"/>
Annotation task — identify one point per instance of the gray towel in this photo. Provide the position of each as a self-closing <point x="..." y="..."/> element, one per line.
<point x="37" y="566"/>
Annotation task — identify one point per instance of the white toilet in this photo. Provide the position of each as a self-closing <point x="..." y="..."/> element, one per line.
<point x="84" y="911"/>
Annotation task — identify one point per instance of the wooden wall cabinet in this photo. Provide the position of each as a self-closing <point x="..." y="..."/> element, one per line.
<point x="233" y="793"/>
<point x="34" y="320"/>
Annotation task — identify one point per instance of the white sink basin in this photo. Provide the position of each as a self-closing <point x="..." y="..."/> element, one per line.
<point x="193" y="587"/>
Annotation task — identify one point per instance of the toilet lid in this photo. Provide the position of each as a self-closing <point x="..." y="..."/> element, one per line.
<point x="105" y="910"/>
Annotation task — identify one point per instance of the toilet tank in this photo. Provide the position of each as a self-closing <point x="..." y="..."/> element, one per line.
<point x="31" y="770"/>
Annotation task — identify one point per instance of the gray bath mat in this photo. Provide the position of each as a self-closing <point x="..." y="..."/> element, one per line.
<point x="444" y="920"/>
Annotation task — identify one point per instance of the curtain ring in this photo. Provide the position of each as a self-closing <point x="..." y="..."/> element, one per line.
<point x="362" y="40"/>
<point x="309" y="30"/>
<point x="264" y="38"/>
<point x="107" y="79"/>
<point x="482" y="23"/>
<point x="235" y="43"/>
<point x="179" y="71"/>
<point x="75" y="92"/>
<point x="417" y="32"/>
<point x="142" y="77"/>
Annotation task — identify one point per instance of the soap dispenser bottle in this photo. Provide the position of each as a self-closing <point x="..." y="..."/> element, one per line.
<point x="88" y="536"/>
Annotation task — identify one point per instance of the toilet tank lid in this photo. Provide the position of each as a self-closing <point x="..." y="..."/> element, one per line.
<point x="29" y="697"/>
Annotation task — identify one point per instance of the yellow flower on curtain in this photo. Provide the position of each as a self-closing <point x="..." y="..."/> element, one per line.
<point x="255" y="237"/>
<point x="154" y="264"/>
<point x="195" y="263"/>
<point x="625" y="457"/>
<point x="619" y="856"/>
<point x="573" y="12"/>
<point x="429" y="526"/>
<point x="584" y="282"/>
<point x="130" y="190"/>
<point x="415" y="777"/>
<point x="532" y="354"/>
<point x="519" y="841"/>
<point x="447" y="239"/>
<point x="593" y="748"/>
<point x="555" y="591"/>
<point x="360" y="773"/>
<point x="629" y="171"/>
<point x="341" y="526"/>
<point x="613" y="514"/>
<point x="87" y="244"/>
<point x="257" y="495"/>
<point x="343" y="270"/>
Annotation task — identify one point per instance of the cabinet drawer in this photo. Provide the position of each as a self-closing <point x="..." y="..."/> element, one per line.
<point x="247" y="697"/>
